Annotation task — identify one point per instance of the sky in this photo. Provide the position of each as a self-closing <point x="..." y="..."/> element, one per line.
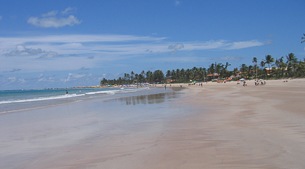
<point x="47" y="44"/>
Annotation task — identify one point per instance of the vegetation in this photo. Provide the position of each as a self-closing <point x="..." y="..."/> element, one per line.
<point x="270" y="68"/>
<point x="277" y="68"/>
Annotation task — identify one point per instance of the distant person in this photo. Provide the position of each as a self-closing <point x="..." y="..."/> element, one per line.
<point x="67" y="92"/>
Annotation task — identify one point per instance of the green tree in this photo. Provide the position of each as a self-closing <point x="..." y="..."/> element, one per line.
<point x="127" y="78"/>
<point x="149" y="77"/>
<point x="269" y="60"/>
<point x="224" y="70"/>
<point x="132" y="74"/>
<point x="281" y="67"/>
<point x="158" y="76"/>
<point x="263" y="72"/>
<point x="254" y="61"/>
<point x="300" y="69"/>
<point x="103" y="82"/>
<point x="211" y="69"/>
<point x="142" y="76"/>
<point x="291" y="64"/>
<point x="218" y="68"/>
<point x="244" y="70"/>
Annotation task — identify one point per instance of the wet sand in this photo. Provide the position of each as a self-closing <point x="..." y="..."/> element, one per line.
<point x="215" y="126"/>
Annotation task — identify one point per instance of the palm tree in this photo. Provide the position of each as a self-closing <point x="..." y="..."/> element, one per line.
<point x="244" y="70"/>
<point x="218" y="68"/>
<point x="291" y="64"/>
<point x="303" y="38"/>
<point x="235" y="71"/>
<point x="142" y="76"/>
<point x="300" y="69"/>
<point x="211" y="69"/>
<point x="250" y="71"/>
<point x="174" y="75"/>
<point x="224" y="69"/>
<point x="254" y="61"/>
<point x="132" y="76"/>
<point x="149" y="77"/>
<point x="168" y="74"/>
<point x="158" y="76"/>
<point x="281" y="65"/>
<point x="262" y="64"/>
<point x="269" y="61"/>
<point x="127" y="77"/>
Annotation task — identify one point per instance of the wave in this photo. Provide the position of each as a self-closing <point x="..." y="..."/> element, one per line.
<point x="103" y="92"/>
<point x="42" y="98"/>
<point x="65" y="96"/>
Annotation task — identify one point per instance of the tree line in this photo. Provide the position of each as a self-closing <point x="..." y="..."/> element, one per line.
<point x="268" y="68"/>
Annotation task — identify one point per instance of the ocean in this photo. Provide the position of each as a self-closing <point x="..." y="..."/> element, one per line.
<point x="13" y="100"/>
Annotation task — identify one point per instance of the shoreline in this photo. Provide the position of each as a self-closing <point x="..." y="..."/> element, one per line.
<point x="218" y="125"/>
<point x="246" y="127"/>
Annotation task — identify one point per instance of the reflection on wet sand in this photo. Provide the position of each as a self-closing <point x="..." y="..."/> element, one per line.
<point x="147" y="99"/>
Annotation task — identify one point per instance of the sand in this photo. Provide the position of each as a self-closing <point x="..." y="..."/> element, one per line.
<point x="214" y="127"/>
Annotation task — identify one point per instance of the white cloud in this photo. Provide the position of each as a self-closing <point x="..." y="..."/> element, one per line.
<point x="72" y="52"/>
<point x="244" y="44"/>
<point x="75" y="76"/>
<point x="222" y="44"/>
<point x="15" y="79"/>
<point x="22" y="50"/>
<point x="181" y="59"/>
<point x="68" y="10"/>
<point x="14" y="70"/>
<point x="43" y="78"/>
<point x="53" y="20"/>
<point x="50" y="14"/>
<point x="226" y="58"/>
<point x="11" y="79"/>
<point x="48" y="22"/>
<point x="176" y="47"/>
<point x="94" y="45"/>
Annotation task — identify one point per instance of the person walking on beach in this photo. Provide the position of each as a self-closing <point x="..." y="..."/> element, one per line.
<point x="245" y="83"/>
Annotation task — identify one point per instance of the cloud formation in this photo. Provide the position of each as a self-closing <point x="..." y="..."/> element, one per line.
<point x="54" y="19"/>
<point x="98" y="45"/>
<point x="22" y="50"/>
<point x="14" y="70"/>
<point x="244" y="44"/>
<point x="75" y="76"/>
<point x="176" y="47"/>
<point x="72" y="52"/>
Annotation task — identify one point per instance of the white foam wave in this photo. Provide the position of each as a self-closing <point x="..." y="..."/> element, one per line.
<point x="42" y="98"/>
<point x="110" y="92"/>
<point x="103" y="92"/>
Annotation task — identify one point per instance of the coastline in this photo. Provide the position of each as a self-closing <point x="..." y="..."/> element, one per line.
<point x="218" y="125"/>
<point x="244" y="127"/>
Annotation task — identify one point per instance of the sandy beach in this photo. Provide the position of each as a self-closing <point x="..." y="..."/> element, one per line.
<point x="216" y="126"/>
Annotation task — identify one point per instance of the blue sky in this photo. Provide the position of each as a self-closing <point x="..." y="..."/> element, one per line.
<point x="76" y="43"/>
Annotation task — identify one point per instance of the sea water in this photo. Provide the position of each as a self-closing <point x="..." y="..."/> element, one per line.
<point x="11" y="100"/>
